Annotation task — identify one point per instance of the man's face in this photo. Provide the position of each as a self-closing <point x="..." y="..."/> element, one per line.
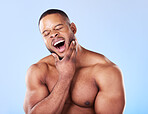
<point x="57" y="33"/>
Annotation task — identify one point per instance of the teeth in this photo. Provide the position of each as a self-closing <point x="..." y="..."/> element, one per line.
<point x="58" y="42"/>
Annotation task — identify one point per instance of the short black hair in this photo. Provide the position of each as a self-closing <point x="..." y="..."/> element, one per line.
<point x="53" y="11"/>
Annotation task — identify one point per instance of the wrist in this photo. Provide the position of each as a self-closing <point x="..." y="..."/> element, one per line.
<point x="65" y="79"/>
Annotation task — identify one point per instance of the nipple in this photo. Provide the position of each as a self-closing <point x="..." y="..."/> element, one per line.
<point x="87" y="103"/>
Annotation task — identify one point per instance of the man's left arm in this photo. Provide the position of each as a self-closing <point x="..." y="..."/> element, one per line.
<point x="110" y="98"/>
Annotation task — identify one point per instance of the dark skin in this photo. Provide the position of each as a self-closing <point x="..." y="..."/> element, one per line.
<point x="82" y="82"/>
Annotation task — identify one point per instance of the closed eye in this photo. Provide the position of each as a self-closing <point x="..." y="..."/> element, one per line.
<point x="58" y="28"/>
<point x="46" y="34"/>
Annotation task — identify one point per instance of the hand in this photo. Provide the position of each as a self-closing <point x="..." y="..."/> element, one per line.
<point x="66" y="66"/>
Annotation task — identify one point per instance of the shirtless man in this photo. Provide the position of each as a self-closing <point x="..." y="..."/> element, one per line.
<point x="73" y="80"/>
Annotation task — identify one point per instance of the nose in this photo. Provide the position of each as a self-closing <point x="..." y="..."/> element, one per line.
<point x="54" y="34"/>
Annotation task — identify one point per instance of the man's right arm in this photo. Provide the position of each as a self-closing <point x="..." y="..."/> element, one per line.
<point x="36" y="91"/>
<point x="38" y="100"/>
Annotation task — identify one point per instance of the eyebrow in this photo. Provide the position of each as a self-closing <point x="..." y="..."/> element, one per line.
<point x="58" y="25"/>
<point x="54" y="27"/>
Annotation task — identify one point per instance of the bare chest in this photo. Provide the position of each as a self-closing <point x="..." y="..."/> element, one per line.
<point x="83" y="88"/>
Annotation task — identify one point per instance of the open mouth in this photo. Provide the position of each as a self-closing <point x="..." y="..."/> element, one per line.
<point x="60" y="45"/>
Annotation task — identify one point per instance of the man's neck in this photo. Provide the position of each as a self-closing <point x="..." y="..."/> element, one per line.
<point x="80" y="55"/>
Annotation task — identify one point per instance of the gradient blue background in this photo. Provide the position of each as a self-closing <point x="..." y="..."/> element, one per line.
<point x="116" y="28"/>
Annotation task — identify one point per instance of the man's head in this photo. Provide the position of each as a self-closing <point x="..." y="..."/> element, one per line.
<point x="54" y="11"/>
<point x="57" y="31"/>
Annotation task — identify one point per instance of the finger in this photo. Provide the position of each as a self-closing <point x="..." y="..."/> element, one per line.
<point x="73" y="55"/>
<point x="55" y="57"/>
<point x="76" y="41"/>
<point x="70" y="50"/>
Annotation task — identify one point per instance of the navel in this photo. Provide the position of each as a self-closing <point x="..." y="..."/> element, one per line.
<point x="87" y="103"/>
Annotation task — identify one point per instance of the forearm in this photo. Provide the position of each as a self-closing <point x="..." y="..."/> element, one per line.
<point x="54" y="103"/>
<point x="60" y="108"/>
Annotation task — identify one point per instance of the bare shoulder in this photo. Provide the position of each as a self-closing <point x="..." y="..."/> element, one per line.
<point x="48" y="60"/>
<point x="38" y="71"/>
<point x="93" y="58"/>
<point x="42" y="65"/>
<point x="106" y="73"/>
<point x="108" y="76"/>
<point x="35" y="74"/>
<point x="102" y="65"/>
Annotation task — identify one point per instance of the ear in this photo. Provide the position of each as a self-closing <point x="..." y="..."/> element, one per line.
<point x="73" y="28"/>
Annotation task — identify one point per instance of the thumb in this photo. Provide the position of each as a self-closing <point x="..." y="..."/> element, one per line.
<point x="55" y="57"/>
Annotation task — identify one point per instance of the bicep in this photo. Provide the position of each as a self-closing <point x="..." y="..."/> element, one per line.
<point x="35" y="96"/>
<point x="107" y="104"/>
<point x="36" y="91"/>
<point x="110" y="98"/>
